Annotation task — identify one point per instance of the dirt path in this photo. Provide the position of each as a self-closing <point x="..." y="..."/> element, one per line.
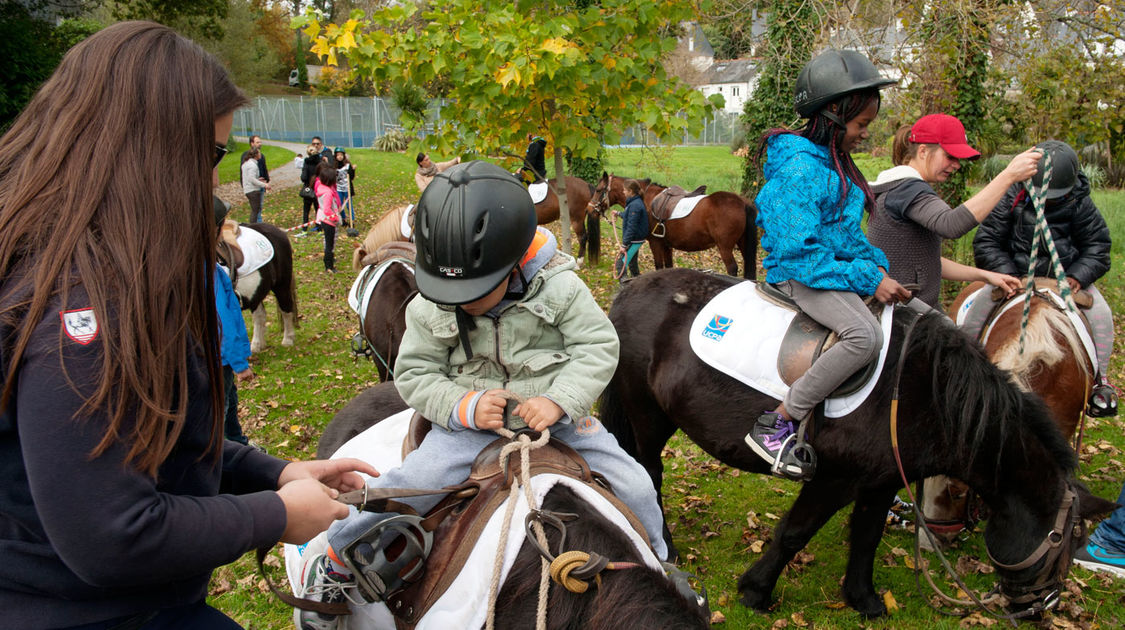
<point x="283" y="177"/>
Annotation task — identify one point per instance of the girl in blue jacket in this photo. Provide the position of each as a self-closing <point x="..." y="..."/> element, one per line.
<point x="810" y="209"/>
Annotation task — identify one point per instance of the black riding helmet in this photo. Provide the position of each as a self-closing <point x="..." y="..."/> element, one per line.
<point x="473" y="224"/>
<point x="1064" y="168"/>
<point x="221" y="209"/>
<point x="832" y="74"/>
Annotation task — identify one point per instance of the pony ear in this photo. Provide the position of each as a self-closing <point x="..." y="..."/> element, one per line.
<point x="605" y="175"/>
<point x="1091" y="506"/>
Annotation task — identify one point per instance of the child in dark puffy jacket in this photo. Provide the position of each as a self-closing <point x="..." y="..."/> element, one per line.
<point x="1003" y="243"/>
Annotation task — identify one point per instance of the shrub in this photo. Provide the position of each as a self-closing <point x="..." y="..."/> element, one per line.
<point x="392" y="141"/>
<point x="1095" y="174"/>
<point x="988" y="168"/>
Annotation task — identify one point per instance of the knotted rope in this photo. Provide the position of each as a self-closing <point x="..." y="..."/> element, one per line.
<point x="524" y="445"/>
<point x="1042" y="236"/>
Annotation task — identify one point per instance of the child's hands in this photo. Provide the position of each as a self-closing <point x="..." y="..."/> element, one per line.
<point x="539" y="412"/>
<point x="489" y="414"/>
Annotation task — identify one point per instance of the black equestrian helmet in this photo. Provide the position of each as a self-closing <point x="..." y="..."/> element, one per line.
<point x="1064" y="168"/>
<point x="473" y="224"/>
<point x="832" y="74"/>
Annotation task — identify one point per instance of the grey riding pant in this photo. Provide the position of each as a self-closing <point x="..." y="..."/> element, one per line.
<point x="860" y="340"/>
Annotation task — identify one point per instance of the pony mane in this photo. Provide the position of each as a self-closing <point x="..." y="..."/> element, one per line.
<point x="1040" y="348"/>
<point x="385" y="230"/>
<point x="980" y="405"/>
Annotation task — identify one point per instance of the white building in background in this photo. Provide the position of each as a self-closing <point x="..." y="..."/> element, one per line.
<point x="734" y="79"/>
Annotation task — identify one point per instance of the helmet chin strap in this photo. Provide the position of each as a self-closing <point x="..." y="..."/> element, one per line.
<point x="464" y="325"/>
<point x="831" y="115"/>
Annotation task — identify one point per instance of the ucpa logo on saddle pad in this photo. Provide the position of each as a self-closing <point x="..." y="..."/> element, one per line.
<point x="717" y="327"/>
<point x="80" y="325"/>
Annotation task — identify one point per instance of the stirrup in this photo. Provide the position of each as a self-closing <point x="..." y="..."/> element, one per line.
<point x="795" y="453"/>
<point x="1106" y="393"/>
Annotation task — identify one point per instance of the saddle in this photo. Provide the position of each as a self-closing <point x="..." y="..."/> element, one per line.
<point x="228" y="241"/>
<point x="806" y="339"/>
<point x="1082" y="298"/>
<point x="461" y="516"/>
<point x="393" y="249"/>
<point x="665" y="202"/>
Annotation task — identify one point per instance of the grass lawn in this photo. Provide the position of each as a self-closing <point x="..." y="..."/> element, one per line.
<point x="721" y="518"/>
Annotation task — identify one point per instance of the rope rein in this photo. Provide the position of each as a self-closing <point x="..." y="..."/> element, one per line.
<point x="1042" y="236"/>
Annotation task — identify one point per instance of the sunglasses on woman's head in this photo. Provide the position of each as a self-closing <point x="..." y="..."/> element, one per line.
<point x="221" y="151"/>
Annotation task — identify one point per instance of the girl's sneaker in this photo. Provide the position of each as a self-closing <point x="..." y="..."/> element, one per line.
<point x="1097" y="558"/>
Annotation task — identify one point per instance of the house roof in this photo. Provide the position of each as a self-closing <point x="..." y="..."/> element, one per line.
<point x="732" y="71"/>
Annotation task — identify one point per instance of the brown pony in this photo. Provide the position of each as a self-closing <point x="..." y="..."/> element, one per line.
<point x="722" y="220"/>
<point x="1053" y="364"/>
<point x="387" y="229"/>
<point x="384" y="321"/>
<point x="587" y="228"/>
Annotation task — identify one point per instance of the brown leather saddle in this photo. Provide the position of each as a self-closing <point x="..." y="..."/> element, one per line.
<point x="806" y="339"/>
<point x="394" y="249"/>
<point x="228" y="248"/>
<point x="460" y="518"/>
<point x="665" y="202"/>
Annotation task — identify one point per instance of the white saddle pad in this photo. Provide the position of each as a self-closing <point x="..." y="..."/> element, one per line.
<point x="685" y="206"/>
<point x="739" y="333"/>
<point x="257" y="250"/>
<point x="465" y="603"/>
<point x="359" y="296"/>
<point x="538" y="192"/>
<point x="406" y="227"/>
<point x="1016" y="301"/>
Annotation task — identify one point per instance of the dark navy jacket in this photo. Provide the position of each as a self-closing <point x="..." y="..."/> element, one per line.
<point x="634" y="224"/>
<point x="1003" y="241"/>
<point x="84" y="540"/>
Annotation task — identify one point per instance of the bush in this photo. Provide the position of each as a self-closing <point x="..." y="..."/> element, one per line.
<point x="392" y="141"/>
<point x="988" y="168"/>
<point x="1095" y="174"/>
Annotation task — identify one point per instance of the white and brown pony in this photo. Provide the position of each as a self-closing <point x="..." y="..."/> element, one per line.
<point x="275" y="276"/>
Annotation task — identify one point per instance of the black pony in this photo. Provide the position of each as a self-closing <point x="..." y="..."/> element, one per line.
<point x="958" y="415"/>
<point x="640" y="598"/>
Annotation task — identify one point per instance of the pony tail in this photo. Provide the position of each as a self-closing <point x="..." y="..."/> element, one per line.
<point x="903" y="150"/>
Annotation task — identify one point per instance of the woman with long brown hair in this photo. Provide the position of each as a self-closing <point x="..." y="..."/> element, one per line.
<point x="112" y="457"/>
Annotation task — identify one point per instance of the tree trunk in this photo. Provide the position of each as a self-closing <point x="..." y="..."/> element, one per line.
<point x="564" y="209"/>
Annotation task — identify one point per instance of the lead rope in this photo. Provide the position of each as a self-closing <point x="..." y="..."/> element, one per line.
<point x="1042" y="235"/>
<point x="524" y="445"/>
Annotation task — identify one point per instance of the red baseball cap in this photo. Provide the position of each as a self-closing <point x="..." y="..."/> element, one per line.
<point x="946" y="131"/>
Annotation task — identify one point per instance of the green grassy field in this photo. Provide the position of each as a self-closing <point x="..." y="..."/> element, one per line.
<point x="721" y="517"/>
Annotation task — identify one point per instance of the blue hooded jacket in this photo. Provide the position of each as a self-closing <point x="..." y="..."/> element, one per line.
<point x="634" y="228"/>
<point x="235" y="346"/>
<point x="805" y="237"/>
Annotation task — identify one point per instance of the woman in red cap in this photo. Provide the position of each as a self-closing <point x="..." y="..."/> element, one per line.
<point x="910" y="219"/>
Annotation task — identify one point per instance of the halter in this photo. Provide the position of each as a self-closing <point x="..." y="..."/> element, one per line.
<point x="1055" y="551"/>
<point x="600" y="203"/>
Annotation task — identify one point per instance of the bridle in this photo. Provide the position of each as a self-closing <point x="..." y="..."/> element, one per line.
<point x="600" y="203"/>
<point x="1054" y="552"/>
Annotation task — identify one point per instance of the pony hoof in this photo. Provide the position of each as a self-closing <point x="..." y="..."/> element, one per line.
<point x="756" y="600"/>
<point x="255" y="348"/>
<point x="869" y="607"/>
<point x="578" y="262"/>
<point x="288" y="343"/>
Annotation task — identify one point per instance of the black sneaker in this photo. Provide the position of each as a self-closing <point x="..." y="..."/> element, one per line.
<point x="1098" y="558"/>
<point x="1103" y="400"/>
<point x="774" y="439"/>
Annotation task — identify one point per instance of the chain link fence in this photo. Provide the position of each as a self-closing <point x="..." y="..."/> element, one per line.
<point x="359" y="121"/>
